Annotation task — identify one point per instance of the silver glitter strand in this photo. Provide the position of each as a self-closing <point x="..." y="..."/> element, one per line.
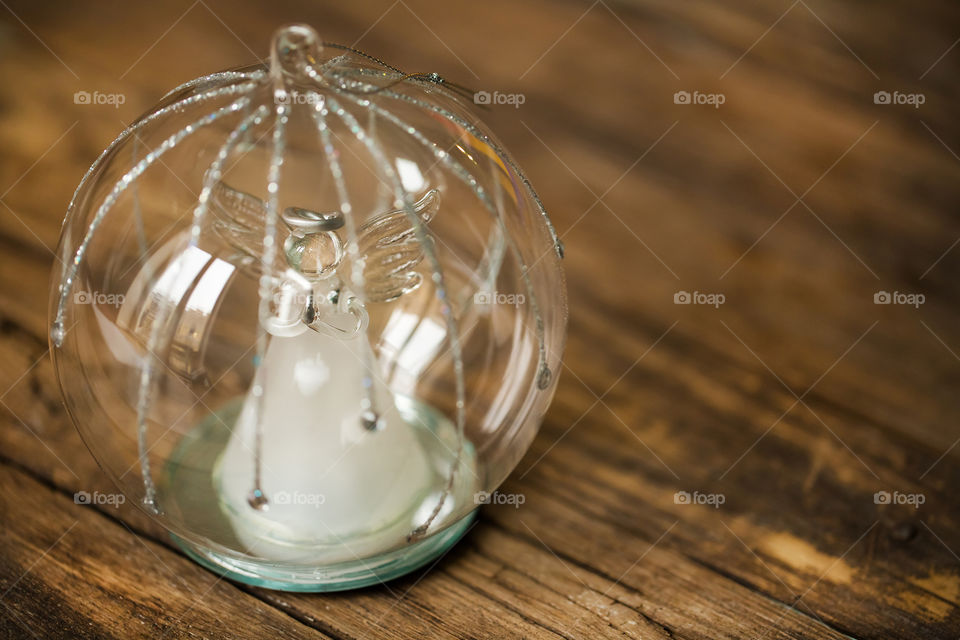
<point x="147" y="368"/>
<point x="146" y="365"/>
<point x="72" y="264"/>
<point x="369" y="415"/>
<point x="557" y="243"/>
<point x="453" y="330"/>
<point x="543" y="371"/>
<point x="257" y="498"/>
<point x="215" y="172"/>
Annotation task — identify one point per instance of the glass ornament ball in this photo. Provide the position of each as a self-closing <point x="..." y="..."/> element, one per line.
<point x="306" y="313"/>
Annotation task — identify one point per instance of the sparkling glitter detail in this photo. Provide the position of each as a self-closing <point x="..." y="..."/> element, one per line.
<point x="320" y="114"/>
<point x="346" y="83"/>
<point x="72" y="264"/>
<point x="267" y="280"/>
<point x="372" y="118"/>
<point x="147" y="367"/>
<point x="453" y="329"/>
<point x="215" y="173"/>
<point x="150" y="499"/>
<point x="464" y="176"/>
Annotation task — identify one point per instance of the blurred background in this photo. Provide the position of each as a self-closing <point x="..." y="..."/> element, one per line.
<point x="758" y="405"/>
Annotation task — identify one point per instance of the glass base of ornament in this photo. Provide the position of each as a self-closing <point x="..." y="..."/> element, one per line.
<point x="188" y="486"/>
<point x="341" y="577"/>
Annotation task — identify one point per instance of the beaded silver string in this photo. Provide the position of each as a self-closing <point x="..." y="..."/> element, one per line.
<point x="257" y="498"/>
<point x="426" y="241"/>
<point x="147" y="370"/>
<point x="125" y="181"/>
<point x="543" y="379"/>
<point x="370" y="417"/>
<point x="70" y="268"/>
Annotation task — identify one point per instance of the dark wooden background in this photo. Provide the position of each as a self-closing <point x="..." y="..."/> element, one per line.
<point x="796" y="400"/>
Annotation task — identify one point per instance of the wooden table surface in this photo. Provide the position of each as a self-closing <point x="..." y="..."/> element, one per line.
<point x="705" y="471"/>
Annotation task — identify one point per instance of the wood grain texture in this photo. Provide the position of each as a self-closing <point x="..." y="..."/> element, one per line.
<point x="796" y="400"/>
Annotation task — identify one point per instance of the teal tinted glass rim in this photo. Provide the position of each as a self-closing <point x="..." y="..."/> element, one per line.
<point x="344" y="576"/>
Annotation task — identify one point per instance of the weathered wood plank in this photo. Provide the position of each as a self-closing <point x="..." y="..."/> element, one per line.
<point x="67" y="571"/>
<point x="614" y="493"/>
<point x="799" y="500"/>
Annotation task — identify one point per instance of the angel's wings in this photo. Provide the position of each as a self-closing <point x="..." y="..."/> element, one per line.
<point x="388" y="249"/>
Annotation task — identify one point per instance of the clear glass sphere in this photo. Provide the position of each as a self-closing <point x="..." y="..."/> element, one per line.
<point x="308" y="315"/>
